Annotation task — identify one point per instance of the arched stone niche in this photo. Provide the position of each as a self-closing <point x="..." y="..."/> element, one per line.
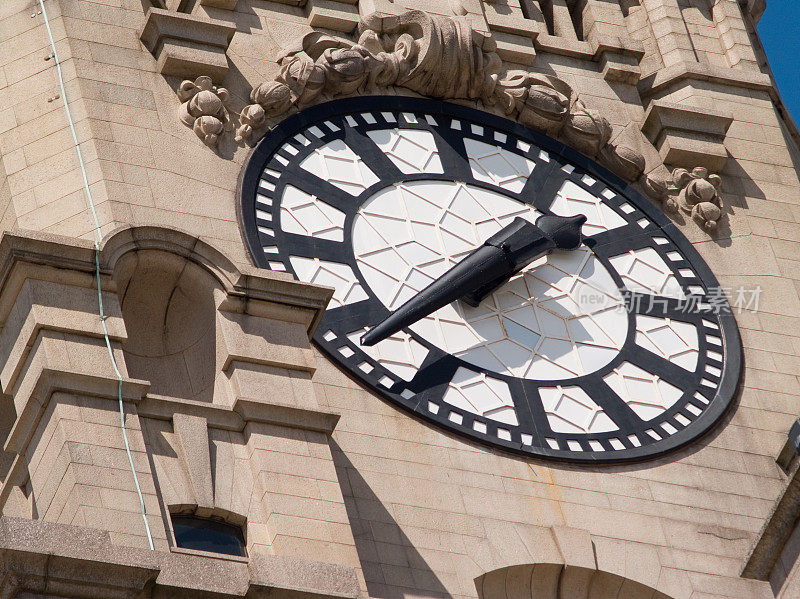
<point x="560" y="581"/>
<point x="170" y="287"/>
<point x="168" y="305"/>
<point x="201" y="328"/>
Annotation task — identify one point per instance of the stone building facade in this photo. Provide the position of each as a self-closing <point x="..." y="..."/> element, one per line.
<point x="232" y="414"/>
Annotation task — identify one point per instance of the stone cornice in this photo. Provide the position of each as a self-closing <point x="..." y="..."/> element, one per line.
<point x="688" y="136"/>
<point x="695" y="71"/>
<point x="50" y="381"/>
<point x="183" y="44"/>
<point x="244" y="410"/>
<point x="46" y="257"/>
<point x="49" y="558"/>
<point x="272" y="412"/>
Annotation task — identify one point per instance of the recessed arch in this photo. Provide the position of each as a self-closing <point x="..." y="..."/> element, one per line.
<point x="170" y="285"/>
<point x="128" y="239"/>
<point x="560" y="581"/>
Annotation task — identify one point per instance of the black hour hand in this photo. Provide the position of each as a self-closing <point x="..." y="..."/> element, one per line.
<point x="474" y="298"/>
<point x="485" y="269"/>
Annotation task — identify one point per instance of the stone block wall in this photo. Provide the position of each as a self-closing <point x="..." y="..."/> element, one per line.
<point x="404" y="509"/>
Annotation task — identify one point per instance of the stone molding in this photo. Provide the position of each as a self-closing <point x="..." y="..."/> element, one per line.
<point x="245" y="287"/>
<point x="604" y="28"/>
<point x="185" y="45"/>
<point x="47" y="313"/>
<point x="244" y="410"/>
<point x="510" y="19"/>
<point x="223" y="4"/>
<point x="688" y="136"/>
<point x="192" y="422"/>
<point x="515" y="33"/>
<point x="64" y="260"/>
<point x="695" y="71"/>
<point x="49" y="382"/>
<point x="56" y="559"/>
<point x="335" y="15"/>
<point x="519" y="36"/>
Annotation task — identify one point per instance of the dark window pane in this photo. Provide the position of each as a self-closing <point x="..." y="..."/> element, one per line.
<point x="208" y="535"/>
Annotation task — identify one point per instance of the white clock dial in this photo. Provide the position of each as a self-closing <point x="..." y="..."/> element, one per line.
<point x="560" y="318"/>
<point x="607" y="352"/>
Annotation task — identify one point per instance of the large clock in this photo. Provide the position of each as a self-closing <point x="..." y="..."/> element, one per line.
<point x="617" y="349"/>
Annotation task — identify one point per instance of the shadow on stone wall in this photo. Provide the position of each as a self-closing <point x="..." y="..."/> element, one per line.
<point x="392" y="566"/>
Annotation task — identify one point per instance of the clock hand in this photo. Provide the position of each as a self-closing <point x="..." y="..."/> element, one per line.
<point x="482" y="271"/>
<point x="563" y="231"/>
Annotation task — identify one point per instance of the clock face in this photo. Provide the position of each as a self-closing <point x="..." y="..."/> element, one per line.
<point x="620" y="349"/>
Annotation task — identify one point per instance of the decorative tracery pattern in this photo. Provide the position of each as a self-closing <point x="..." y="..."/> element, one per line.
<point x="480" y="394"/>
<point x="573" y="199"/>
<point x="305" y="214"/>
<point x="347" y="289"/>
<point x="337" y="163"/>
<point x="400" y="354"/>
<point x="411" y="150"/>
<point x="644" y="271"/>
<point x="644" y="392"/>
<point x="497" y="165"/>
<point x="674" y="340"/>
<point x="570" y="410"/>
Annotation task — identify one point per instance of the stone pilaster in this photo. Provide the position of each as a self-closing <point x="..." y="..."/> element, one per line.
<point x="670" y="32"/>
<point x="604" y="28"/>
<point x="269" y="363"/>
<point x="70" y="464"/>
<point x="733" y="36"/>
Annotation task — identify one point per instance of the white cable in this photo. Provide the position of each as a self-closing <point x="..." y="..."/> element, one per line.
<point x="97" y="241"/>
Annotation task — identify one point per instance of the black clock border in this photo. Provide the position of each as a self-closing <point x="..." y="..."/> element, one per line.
<point x="603" y="244"/>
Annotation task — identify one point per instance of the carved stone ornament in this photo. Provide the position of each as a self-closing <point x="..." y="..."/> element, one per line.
<point x="694" y="192"/>
<point x="442" y="58"/>
<point x="203" y="109"/>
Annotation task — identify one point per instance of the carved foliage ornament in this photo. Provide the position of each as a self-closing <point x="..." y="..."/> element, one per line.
<point x="203" y="109"/>
<point x="694" y="192"/>
<point x="442" y="58"/>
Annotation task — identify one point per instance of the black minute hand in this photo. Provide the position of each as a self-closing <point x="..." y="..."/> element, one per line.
<point x="499" y="258"/>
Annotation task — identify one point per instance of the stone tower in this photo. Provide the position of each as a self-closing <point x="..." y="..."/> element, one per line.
<point x="162" y="384"/>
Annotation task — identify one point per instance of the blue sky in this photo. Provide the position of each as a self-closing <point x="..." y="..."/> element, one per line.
<point x="779" y="30"/>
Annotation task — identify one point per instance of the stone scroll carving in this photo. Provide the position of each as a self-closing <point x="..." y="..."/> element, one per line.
<point x="443" y="58"/>
<point x="203" y="109"/>
<point x="694" y="192"/>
